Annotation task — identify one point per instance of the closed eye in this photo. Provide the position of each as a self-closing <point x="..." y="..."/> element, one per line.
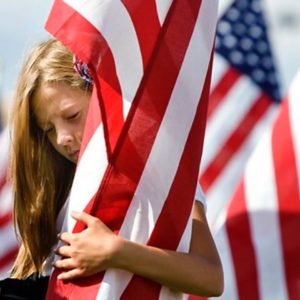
<point x="74" y="116"/>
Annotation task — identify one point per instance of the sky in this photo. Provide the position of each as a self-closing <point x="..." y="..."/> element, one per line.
<point x="22" y="24"/>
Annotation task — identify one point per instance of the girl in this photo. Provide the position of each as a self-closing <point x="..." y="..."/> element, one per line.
<point x="51" y="106"/>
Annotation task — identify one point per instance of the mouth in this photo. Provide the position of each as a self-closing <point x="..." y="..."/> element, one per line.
<point x="74" y="154"/>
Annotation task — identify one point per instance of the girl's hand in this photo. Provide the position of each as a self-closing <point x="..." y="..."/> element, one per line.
<point x="89" y="252"/>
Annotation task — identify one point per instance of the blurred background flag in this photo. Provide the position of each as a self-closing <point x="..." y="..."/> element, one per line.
<point x="244" y="99"/>
<point x="258" y="233"/>
<point x="244" y="94"/>
<point x="8" y="244"/>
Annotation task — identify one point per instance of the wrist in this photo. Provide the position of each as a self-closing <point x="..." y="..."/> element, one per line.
<point x="118" y="258"/>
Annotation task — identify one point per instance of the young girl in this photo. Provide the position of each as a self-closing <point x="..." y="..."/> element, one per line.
<point x="51" y="107"/>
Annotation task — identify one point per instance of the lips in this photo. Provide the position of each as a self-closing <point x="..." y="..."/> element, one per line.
<point x="74" y="153"/>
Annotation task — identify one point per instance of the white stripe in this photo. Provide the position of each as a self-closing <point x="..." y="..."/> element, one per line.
<point x="166" y="293"/>
<point x="220" y="67"/>
<point x="6" y="202"/>
<point x="162" y="163"/>
<point x="4" y="145"/>
<point x="88" y="176"/>
<point x="221" y="240"/>
<point x="261" y="200"/>
<point x="223" y="6"/>
<point x="8" y="239"/>
<point x="294" y="109"/>
<point x="224" y="186"/>
<point x="162" y="7"/>
<point x="113" y="21"/>
<point x="227" y="117"/>
<point x="183" y="246"/>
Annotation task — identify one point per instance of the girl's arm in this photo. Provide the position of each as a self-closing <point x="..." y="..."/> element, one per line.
<point x="97" y="248"/>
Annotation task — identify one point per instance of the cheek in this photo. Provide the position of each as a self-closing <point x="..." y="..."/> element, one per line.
<point x="80" y="129"/>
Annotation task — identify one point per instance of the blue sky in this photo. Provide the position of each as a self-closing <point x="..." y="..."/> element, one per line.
<point x="21" y="23"/>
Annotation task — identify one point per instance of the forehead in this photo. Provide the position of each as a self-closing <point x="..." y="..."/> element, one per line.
<point x="52" y="99"/>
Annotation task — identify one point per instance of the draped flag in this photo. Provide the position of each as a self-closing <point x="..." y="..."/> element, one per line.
<point x="139" y="163"/>
<point x="244" y="96"/>
<point x="8" y="245"/>
<point x="258" y="235"/>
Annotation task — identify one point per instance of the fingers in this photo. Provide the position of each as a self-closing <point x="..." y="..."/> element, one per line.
<point x="64" y="251"/>
<point x="83" y="217"/>
<point x="67" y="237"/>
<point x="67" y="264"/>
<point x="69" y="275"/>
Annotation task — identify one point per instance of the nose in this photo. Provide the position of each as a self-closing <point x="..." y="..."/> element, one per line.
<point x="64" y="138"/>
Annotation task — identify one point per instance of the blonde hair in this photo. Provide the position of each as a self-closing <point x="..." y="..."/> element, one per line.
<point x="41" y="178"/>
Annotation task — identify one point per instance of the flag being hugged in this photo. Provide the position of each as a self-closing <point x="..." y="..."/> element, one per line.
<point x="244" y="97"/>
<point x="261" y="260"/>
<point x="139" y="163"/>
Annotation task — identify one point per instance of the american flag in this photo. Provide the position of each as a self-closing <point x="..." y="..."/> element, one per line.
<point x="258" y="234"/>
<point x="139" y="162"/>
<point x="8" y="245"/>
<point x="244" y="100"/>
<point x="244" y="97"/>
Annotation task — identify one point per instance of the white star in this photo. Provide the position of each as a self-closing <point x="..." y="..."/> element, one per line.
<point x="236" y="57"/>
<point x="224" y="27"/>
<point x="258" y="75"/>
<point x="230" y="41"/>
<point x="233" y="14"/>
<point x="246" y="44"/>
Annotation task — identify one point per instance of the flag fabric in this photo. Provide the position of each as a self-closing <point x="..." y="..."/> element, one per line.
<point x="244" y="97"/>
<point x="139" y="163"/>
<point x="258" y="233"/>
<point x="8" y="245"/>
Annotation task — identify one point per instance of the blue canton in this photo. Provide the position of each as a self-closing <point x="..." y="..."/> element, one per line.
<point x="243" y="41"/>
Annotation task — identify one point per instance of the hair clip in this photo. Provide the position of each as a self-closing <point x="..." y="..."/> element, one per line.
<point x="83" y="70"/>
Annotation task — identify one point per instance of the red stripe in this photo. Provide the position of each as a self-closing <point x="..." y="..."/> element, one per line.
<point x="146" y="23"/>
<point x="241" y="245"/>
<point x="8" y="258"/>
<point x="139" y="133"/>
<point x="175" y="215"/>
<point x="5" y="219"/>
<point x="93" y="122"/>
<point x="3" y="181"/>
<point x="288" y="198"/>
<point x="71" y="27"/>
<point x="110" y="91"/>
<point x="237" y="138"/>
<point x="218" y="95"/>
<point x="153" y="97"/>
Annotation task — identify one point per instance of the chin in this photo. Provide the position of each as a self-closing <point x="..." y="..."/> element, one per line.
<point x="71" y="159"/>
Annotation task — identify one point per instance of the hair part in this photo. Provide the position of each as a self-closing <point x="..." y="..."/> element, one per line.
<point x="41" y="177"/>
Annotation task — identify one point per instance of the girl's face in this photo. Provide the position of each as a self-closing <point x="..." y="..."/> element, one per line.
<point x="61" y="111"/>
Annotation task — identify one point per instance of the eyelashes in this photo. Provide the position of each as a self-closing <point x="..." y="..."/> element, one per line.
<point x="51" y="129"/>
<point x="74" y="116"/>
